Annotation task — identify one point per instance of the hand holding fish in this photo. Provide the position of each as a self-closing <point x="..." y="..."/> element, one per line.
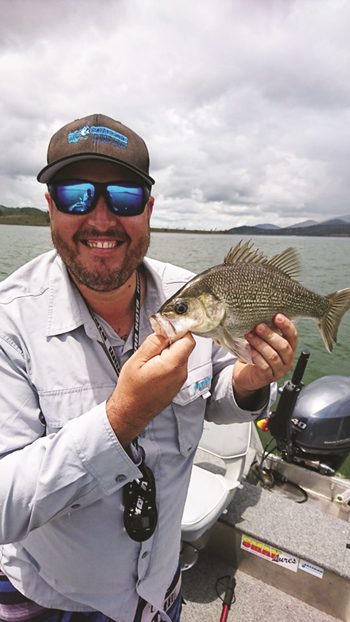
<point x="147" y="383"/>
<point x="272" y="354"/>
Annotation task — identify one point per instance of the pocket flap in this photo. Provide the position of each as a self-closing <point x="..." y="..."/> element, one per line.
<point x="197" y="384"/>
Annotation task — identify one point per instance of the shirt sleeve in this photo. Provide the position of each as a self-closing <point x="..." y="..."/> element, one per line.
<point x="43" y="476"/>
<point x="222" y="406"/>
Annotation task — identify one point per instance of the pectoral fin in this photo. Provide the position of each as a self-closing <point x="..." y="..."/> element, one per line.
<point x="239" y="347"/>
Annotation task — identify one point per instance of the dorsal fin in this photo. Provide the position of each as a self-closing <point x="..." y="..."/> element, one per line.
<point x="244" y="252"/>
<point x="287" y="261"/>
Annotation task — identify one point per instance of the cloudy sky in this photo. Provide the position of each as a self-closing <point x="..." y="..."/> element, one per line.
<point x="244" y="104"/>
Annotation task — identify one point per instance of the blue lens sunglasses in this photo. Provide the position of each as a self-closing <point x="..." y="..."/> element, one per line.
<point x="80" y="197"/>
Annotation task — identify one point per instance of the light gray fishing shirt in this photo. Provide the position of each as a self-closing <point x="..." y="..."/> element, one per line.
<point x="62" y="469"/>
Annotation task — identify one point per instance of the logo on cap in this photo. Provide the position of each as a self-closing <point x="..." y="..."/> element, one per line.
<point x="99" y="133"/>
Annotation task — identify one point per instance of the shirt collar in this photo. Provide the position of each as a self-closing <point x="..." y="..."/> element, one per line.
<point x="67" y="309"/>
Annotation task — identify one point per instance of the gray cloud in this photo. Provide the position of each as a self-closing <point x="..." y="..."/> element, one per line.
<point x="244" y="104"/>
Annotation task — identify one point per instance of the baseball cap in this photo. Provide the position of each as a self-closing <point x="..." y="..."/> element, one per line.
<point x="99" y="137"/>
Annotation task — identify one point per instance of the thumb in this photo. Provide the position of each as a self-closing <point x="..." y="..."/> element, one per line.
<point x="152" y="346"/>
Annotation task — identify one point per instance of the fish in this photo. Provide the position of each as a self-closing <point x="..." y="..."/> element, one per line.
<point x="228" y="300"/>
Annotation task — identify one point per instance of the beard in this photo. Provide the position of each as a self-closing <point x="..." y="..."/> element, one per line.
<point x="103" y="277"/>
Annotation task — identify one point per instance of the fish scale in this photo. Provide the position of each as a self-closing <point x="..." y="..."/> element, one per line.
<point x="258" y="289"/>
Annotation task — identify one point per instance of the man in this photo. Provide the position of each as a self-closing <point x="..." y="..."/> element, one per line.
<point x="99" y="417"/>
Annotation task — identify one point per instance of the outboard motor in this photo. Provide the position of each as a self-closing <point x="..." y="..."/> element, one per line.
<point x="311" y="424"/>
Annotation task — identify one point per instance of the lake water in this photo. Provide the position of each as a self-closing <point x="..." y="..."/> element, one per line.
<point x="325" y="261"/>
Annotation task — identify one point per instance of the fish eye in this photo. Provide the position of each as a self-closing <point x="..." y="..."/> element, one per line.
<point x="180" y="307"/>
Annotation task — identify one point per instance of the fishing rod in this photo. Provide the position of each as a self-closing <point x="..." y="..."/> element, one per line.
<point x="229" y="596"/>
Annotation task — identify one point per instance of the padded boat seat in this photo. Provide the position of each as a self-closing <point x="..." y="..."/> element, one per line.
<point x="210" y="492"/>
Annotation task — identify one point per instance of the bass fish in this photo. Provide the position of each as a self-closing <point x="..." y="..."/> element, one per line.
<point x="229" y="300"/>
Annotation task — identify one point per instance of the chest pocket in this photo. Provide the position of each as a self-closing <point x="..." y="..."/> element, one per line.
<point x="60" y="405"/>
<point x="189" y="407"/>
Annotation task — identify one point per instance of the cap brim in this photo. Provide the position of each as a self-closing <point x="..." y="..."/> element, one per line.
<point x="50" y="170"/>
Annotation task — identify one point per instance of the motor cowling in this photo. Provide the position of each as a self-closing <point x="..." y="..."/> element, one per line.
<point x="312" y="424"/>
<point x="320" y="422"/>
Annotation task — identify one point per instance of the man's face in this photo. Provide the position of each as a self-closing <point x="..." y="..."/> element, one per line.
<point x="78" y="237"/>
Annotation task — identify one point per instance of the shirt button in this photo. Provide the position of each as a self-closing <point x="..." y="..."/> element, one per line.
<point x="120" y="478"/>
<point x="75" y="505"/>
<point x="144" y="555"/>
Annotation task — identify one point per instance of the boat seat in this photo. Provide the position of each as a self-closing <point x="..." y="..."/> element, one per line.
<point x="211" y="488"/>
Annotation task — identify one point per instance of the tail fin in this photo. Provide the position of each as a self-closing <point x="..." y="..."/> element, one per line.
<point x="329" y="324"/>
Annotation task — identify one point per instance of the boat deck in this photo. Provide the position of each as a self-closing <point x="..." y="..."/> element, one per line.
<point x="255" y="601"/>
<point x="312" y="538"/>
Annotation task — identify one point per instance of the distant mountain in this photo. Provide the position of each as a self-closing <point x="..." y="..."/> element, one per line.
<point x="340" y="228"/>
<point x="251" y="230"/>
<point x="268" y="226"/>
<point x="331" y="227"/>
<point x="304" y="223"/>
<point x="334" y="221"/>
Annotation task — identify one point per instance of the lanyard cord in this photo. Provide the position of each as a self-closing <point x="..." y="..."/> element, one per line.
<point x="106" y="344"/>
<point x="140" y="509"/>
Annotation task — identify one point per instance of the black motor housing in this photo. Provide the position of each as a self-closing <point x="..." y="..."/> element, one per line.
<point x="320" y="422"/>
<point x="312" y="424"/>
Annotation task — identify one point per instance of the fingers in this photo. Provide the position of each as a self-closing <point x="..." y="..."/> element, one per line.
<point x="156" y="345"/>
<point x="288" y="330"/>
<point x="180" y="349"/>
<point x="273" y="351"/>
<point x="152" y="346"/>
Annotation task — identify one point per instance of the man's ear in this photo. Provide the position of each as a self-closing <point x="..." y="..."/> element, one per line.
<point x="150" y="204"/>
<point x="49" y="201"/>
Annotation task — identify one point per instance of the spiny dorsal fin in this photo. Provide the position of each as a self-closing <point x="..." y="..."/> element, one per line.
<point x="244" y="252"/>
<point x="287" y="261"/>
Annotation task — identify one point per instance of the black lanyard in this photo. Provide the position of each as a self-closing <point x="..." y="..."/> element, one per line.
<point x="140" y="510"/>
<point x="106" y="344"/>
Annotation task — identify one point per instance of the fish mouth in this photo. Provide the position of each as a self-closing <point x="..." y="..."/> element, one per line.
<point x="162" y="326"/>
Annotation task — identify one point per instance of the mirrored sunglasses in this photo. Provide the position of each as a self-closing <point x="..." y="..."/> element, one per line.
<point x="80" y="197"/>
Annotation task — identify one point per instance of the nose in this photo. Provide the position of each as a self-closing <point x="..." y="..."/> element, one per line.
<point x="101" y="217"/>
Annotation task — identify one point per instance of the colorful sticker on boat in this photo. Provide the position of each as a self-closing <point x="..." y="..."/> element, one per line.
<point x="316" y="571"/>
<point x="270" y="553"/>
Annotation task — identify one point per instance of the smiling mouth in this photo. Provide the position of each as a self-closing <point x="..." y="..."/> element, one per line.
<point x="102" y="244"/>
